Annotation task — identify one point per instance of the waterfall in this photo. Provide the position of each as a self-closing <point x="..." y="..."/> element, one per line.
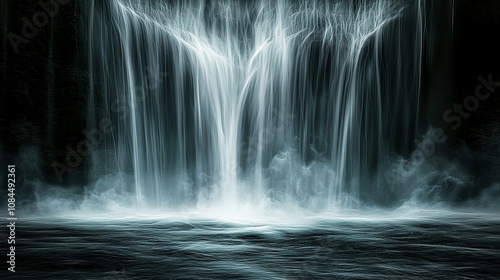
<point x="224" y="102"/>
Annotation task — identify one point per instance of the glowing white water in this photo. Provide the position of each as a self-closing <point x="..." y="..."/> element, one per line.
<point x="268" y="102"/>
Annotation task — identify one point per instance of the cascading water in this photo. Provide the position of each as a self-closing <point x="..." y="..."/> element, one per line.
<point x="248" y="140"/>
<point x="281" y="102"/>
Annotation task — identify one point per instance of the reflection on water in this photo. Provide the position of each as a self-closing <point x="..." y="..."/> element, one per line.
<point x="430" y="245"/>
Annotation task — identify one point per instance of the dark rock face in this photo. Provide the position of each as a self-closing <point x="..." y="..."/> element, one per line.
<point x="477" y="45"/>
<point x="44" y="84"/>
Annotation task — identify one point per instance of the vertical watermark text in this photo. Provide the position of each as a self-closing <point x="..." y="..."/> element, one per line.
<point x="11" y="220"/>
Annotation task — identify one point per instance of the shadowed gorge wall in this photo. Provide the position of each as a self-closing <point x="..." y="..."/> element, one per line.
<point x="44" y="89"/>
